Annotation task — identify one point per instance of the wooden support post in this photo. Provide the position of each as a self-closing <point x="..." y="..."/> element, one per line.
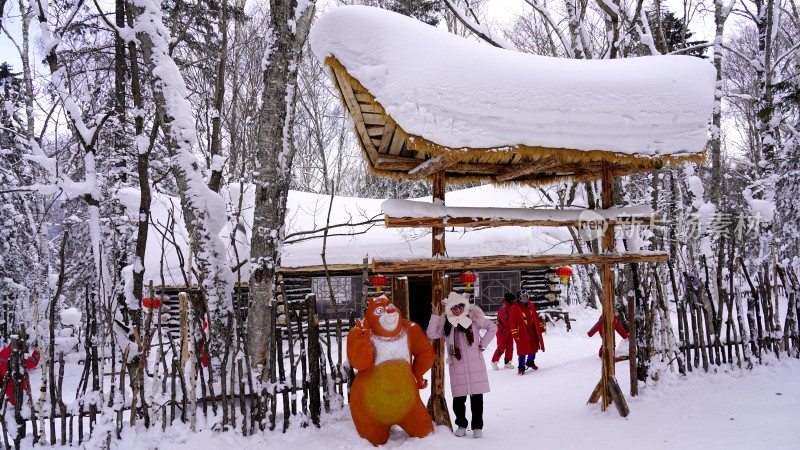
<point x="399" y="287"/>
<point x="609" y="388"/>
<point x="437" y="404"/>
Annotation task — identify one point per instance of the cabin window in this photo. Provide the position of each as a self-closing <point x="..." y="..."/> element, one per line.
<point x="493" y="286"/>
<point x="346" y="291"/>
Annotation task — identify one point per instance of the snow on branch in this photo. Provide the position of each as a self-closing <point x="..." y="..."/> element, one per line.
<point x="545" y="13"/>
<point x="479" y="30"/>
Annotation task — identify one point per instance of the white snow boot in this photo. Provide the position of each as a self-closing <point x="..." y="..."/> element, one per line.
<point x="510" y="366"/>
<point x="461" y="432"/>
<point x="494" y="365"/>
<point x="477" y="434"/>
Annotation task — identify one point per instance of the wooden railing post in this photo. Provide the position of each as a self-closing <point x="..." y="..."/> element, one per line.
<point x="315" y="404"/>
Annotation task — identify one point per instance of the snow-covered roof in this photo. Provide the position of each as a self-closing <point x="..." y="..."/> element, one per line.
<point x="444" y="93"/>
<point x="346" y="245"/>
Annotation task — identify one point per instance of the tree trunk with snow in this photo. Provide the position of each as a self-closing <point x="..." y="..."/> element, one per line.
<point x="203" y="209"/>
<point x="721" y="12"/>
<point x="767" y="125"/>
<point x="290" y="23"/>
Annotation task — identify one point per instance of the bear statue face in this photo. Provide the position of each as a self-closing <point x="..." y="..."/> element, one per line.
<point x="383" y="317"/>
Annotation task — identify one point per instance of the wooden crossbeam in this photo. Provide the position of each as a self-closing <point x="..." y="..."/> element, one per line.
<point x="399" y="163"/>
<point x="521" y="170"/>
<point x="431" y="166"/>
<point x="472" y="222"/>
<point x="435" y="215"/>
<point x="321" y="268"/>
<point x="494" y="262"/>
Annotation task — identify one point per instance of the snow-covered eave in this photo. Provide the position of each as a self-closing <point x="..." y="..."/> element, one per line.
<point x="416" y="92"/>
<point x="402" y="154"/>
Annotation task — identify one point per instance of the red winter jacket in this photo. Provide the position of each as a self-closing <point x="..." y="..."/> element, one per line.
<point x="617" y="326"/>
<point x="526" y="328"/>
<point x="30" y="362"/>
<point x="504" y="321"/>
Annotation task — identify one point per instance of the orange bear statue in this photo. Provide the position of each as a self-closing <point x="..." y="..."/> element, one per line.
<point x="391" y="355"/>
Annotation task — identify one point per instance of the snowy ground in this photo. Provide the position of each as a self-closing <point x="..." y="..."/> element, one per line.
<point x="547" y="409"/>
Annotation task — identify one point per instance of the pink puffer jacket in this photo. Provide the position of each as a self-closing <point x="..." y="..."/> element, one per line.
<point x="468" y="375"/>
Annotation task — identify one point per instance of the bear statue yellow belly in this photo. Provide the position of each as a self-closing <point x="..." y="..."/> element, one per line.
<point x="388" y="392"/>
<point x="391" y="355"/>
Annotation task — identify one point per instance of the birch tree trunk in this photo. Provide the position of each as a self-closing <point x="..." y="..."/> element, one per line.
<point x="721" y="12"/>
<point x="290" y="23"/>
<point x="203" y="209"/>
<point x="767" y="119"/>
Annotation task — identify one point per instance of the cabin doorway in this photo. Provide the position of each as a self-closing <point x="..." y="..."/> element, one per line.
<point x="419" y="300"/>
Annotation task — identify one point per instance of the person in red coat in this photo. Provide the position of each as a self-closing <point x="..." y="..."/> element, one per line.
<point x="617" y="326"/>
<point x="505" y="343"/>
<point x="30" y="362"/>
<point x="526" y="329"/>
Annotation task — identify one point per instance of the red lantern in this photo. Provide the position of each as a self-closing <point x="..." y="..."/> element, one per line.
<point x="564" y="272"/>
<point x="151" y="304"/>
<point x="468" y="277"/>
<point x="378" y="281"/>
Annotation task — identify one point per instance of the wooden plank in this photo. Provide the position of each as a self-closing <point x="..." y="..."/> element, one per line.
<point x="595" y="395"/>
<point x="472" y="222"/>
<point x="363" y="97"/>
<point x="400" y="295"/>
<point x="527" y="168"/>
<point x="320" y="268"/>
<point x="494" y="262"/>
<point x="393" y="161"/>
<point x="619" y="399"/>
<point x="373" y="119"/>
<point x="355" y="112"/>
<point x="476" y="168"/>
<point x="398" y="140"/>
<point x="386" y="137"/>
<point x="430" y="167"/>
<point x="376" y="131"/>
<point x="371" y="108"/>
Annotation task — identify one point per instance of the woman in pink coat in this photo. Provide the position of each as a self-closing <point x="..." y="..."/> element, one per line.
<point x="461" y="326"/>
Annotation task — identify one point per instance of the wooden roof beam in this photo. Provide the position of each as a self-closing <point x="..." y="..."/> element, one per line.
<point x="349" y="97"/>
<point x="431" y="166"/>
<point x="495" y="262"/>
<point x="434" y="215"/>
<point x="474" y="222"/>
<point x="526" y="168"/>
<point x="321" y="268"/>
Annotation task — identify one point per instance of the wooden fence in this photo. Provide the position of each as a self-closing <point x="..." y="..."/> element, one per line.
<point x="304" y="375"/>
<point x="737" y="320"/>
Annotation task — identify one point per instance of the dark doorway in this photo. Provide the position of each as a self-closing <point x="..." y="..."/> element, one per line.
<point x="419" y="300"/>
